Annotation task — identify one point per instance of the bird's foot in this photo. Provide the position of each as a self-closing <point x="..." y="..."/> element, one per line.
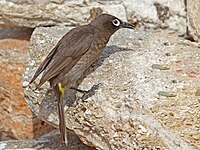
<point x="90" y="92"/>
<point x="87" y="93"/>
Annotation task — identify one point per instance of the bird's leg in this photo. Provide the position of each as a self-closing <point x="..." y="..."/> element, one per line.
<point x="87" y="93"/>
<point x="59" y="91"/>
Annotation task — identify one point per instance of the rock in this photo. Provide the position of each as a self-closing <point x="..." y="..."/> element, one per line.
<point x="196" y="137"/>
<point x="157" y="13"/>
<point x="150" y="14"/>
<point x="197" y="93"/>
<point x="45" y="143"/>
<point x="166" y="94"/>
<point x="128" y="98"/>
<point x="193" y="8"/>
<point x="160" y="67"/>
<point x="47" y="13"/>
<point x="17" y="121"/>
<point x="143" y="129"/>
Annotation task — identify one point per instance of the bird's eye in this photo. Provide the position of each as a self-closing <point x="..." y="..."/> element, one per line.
<point x="116" y="22"/>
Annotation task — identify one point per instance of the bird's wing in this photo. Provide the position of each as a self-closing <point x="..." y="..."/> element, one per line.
<point x="44" y="64"/>
<point x="67" y="52"/>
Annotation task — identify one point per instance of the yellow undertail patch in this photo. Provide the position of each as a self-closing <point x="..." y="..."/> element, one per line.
<point x="61" y="89"/>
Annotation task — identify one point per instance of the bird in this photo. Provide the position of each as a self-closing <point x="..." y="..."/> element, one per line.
<point x="72" y="55"/>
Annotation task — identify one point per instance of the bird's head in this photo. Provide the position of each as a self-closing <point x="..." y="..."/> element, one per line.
<point x="109" y="24"/>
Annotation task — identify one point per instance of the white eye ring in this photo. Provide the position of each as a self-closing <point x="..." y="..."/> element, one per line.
<point x="116" y="22"/>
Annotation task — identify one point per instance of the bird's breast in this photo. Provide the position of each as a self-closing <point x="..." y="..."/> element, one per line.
<point x="96" y="49"/>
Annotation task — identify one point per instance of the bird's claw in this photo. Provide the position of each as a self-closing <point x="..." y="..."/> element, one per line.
<point x="95" y="87"/>
<point x="90" y="92"/>
<point x="87" y="93"/>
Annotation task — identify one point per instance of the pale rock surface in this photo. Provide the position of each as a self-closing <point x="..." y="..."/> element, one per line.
<point x="160" y="13"/>
<point x="193" y="11"/>
<point x="47" y="13"/>
<point x="149" y="96"/>
<point x="145" y="13"/>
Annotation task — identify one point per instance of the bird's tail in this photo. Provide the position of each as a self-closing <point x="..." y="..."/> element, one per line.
<point x="62" y="125"/>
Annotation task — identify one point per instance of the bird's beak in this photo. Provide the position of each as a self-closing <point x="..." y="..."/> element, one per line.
<point x="127" y="25"/>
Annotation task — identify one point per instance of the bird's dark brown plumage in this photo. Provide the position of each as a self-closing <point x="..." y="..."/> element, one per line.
<point x="74" y="53"/>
